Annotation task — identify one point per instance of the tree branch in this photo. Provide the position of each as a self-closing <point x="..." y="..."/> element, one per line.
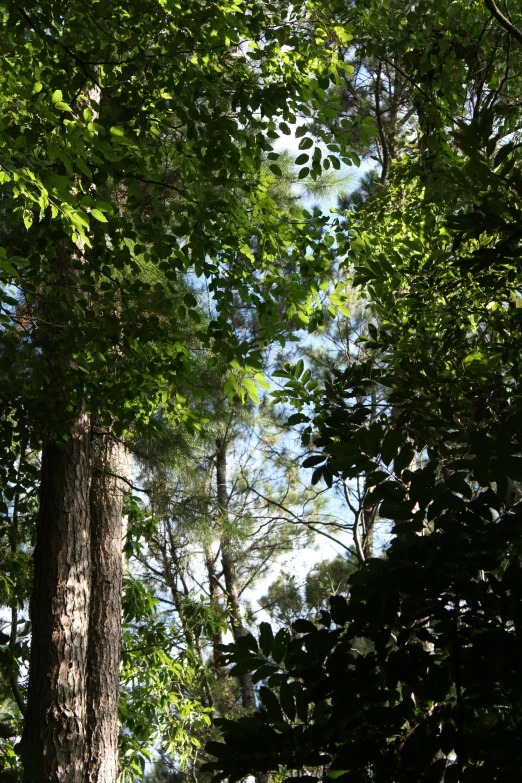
<point x="356" y="534"/>
<point x="503" y="20"/>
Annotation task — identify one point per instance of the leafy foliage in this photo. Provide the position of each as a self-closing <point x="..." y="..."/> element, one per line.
<point x="433" y="693"/>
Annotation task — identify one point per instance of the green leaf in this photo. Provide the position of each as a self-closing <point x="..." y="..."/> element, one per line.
<point x="316" y="459"/>
<point x="287" y="701"/>
<point x="297" y="418"/>
<point x="390" y="445"/>
<point x="103" y="206"/>
<point x="251" y="388"/>
<point x="404" y="458"/>
<point x="279" y="647"/>
<point x="97" y="215"/>
<point x="266" y="638"/>
<point x="271" y="704"/>
<point x="306" y="143"/>
<point x="298" y="369"/>
<point x="304" y="626"/>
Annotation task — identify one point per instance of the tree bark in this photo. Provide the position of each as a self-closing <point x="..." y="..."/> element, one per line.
<point x="229" y="570"/>
<point x="112" y="464"/>
<point x="71" y="728"/>
<point x="53" y="747"/>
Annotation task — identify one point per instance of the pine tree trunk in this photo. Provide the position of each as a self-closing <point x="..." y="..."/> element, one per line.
<point x="229" y="570"/>
<point x="53" y="748"/>
<point x="112" y="460"/>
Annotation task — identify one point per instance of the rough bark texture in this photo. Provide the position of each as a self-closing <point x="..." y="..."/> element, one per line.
<point x="229" y="570"/>
<point x="112" y="460"/>
<point x="53" y="747"/>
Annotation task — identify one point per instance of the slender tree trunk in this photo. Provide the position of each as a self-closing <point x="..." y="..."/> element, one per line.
<point x="13" y="546"/>
<point x="369" y="514"/>
<point x="53" y="748"/>
<point x="112" y="460"/>
<point x="215" y="604"/>
<point x="229" y="570"/>
<point x="368" y="520"/>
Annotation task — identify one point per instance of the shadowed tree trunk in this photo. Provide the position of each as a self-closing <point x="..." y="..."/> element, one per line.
<point x="71" y="726"/>
<point x="54" y="741"/>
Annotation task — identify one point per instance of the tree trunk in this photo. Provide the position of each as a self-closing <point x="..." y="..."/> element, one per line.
<point x="215" y="605"/>
<point x="368" y="520"/>
<point x="112" y="460"/>
<point x="53" y="748"/>
<point x="71" y="729"/>
<point x="229" y="570"/>
<point x="369" y="514"/>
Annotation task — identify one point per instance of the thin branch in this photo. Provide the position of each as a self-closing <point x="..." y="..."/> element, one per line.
<point x="18" y="695"/>
<point x="126" y="481"/>
<point x="299" y="520"/>
<point x="127" y="175"/>
<point x="356" y="534"/>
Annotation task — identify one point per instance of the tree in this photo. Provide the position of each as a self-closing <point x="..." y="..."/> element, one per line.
<point x="434" y="692"/>
<point x="131" y="151"/>
<point x="287" y="600"/>
<point x="179" y="553"/>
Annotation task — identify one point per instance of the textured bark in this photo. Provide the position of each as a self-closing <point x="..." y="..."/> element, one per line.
<point x="229" y="570"/>
<point x="112" y="460"/>
<point x="54" y="742"/>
